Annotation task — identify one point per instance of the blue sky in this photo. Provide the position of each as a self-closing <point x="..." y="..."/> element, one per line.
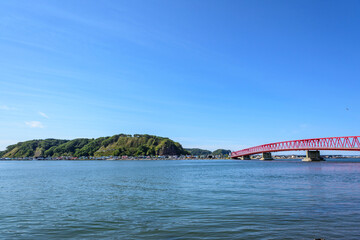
<point x="209" y="74"/>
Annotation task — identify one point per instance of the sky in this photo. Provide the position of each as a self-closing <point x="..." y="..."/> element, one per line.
<point x="208" y="74"/>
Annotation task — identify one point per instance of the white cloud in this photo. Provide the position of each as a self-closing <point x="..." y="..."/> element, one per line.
<point x="34" y="124"/>
<point x="7" y="108"/>
<point x="4" y="107"/>
<point x="44" y="115"/>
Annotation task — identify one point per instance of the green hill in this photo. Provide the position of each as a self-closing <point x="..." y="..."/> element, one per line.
<point x="198" y="151"/>
<point x="222" y="152"/>
<point x="117" y="145"/>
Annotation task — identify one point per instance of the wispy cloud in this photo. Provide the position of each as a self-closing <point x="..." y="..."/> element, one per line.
<point x="34" y="124"/>
<point x="43" y="114"/>
<point x="5" y="107"/>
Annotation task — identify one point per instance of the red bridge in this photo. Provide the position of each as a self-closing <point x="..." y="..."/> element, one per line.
<point x="312" y="147"/>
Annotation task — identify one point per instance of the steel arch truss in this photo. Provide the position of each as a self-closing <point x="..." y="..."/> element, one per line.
<point x="331" y="143"/>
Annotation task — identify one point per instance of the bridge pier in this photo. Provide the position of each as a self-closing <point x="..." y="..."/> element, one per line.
<point x="246" y="157"/>
<point x="312" y="156"/>
<point x="266" y="156"/>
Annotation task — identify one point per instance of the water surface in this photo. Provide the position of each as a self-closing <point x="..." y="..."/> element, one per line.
<point x="197" y="199"/>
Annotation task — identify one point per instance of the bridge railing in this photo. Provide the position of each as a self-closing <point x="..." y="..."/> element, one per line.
<point x="331" y="143"/>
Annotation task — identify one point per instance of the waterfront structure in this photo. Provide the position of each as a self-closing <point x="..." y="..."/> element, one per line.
<point x="311" y="146"/>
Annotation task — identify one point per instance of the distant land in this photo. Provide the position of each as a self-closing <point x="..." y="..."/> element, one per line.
<point x="198" y="151"/>
<point x="117" y="145"/>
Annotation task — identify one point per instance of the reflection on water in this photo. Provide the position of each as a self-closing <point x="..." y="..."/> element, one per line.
<point x="216" y="199"/>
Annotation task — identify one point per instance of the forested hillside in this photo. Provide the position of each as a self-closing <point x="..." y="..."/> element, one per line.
<point x="198" y="152"/>
<point x="117" y="145"/>
<point x="221" y="152"/>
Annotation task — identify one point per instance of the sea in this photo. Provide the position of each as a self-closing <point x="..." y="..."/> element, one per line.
<point x="180" y="199"/>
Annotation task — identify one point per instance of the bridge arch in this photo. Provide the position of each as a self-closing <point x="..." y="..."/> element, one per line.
<point x="350" y="143"/>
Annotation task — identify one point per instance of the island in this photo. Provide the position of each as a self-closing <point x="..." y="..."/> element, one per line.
<point x="120" y="146"/>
